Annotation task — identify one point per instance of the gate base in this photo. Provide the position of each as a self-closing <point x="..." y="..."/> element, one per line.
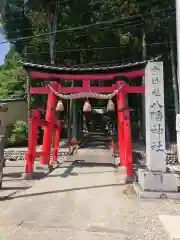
<point x="157" y="185"/>
<point x="28" y="176"/>
<point x="155" y="195"/>
<point x="129" y="179"/>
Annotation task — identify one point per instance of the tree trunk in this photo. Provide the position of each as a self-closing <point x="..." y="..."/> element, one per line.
<point x="52" y="22"/>
<point x="51" y="39"/>
<point x="174" y="75"/>
<point x="28" y="101"/>
<point x="143" y="117"/>
<point x="51" y="50"/>
<point x="28" y="86"/>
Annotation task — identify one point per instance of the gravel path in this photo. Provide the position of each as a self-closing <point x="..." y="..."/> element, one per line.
<point x="81" y="202"/>
<point x="13" y="180"/>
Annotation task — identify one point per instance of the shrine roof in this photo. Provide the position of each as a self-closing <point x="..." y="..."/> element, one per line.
<point x="86" y="70"/>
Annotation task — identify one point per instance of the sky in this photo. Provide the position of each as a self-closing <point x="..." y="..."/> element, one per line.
<point x="4" y="49"/>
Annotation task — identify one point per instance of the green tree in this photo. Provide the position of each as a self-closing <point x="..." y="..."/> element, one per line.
<point x="16" y="23"/>
<point x="12" y="77"/>
<point x="138" y="26"/>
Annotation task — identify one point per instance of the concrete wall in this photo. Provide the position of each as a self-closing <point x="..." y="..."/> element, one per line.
<point x="17" y="110"/>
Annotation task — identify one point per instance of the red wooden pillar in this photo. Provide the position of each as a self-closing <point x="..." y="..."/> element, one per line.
<point x="56" y="140"/>
<point x="32" y="140"/>
<point x="128" y="144"/>
<point x="49" y="127"/>
<point x="120" y="106"/>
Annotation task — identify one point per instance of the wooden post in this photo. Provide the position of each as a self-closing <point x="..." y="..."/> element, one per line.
<point x="128" y="145"/>
<point x="74" y="116"/>
<point x="120" y="106"/>
<point x="28" y="85"/>
<point x="70" y="124"/>
<point x="48" y="129"/>
<point x="1" y="159"/>
<point x="34" y="122"/>
<point x="57" y="140"/>
<point x="143" y="119"/>
<point x="3" y="110"/>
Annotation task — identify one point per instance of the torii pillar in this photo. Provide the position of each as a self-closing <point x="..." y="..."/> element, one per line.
<point x="154" y="181"/>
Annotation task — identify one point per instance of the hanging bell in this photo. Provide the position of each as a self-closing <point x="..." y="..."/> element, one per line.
<point x="60" y="106"/>
<point x="110" y="106"/>
<point x="87" y="106"/>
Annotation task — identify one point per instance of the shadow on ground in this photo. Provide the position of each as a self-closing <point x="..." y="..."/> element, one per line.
<point x="64" y="190"/>
<point x="81" y="164"/>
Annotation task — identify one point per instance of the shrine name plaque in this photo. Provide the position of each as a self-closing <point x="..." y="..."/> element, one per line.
<point x="155" y="117"/>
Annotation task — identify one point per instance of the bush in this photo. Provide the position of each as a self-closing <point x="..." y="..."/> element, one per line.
<point x="19" y="134"/>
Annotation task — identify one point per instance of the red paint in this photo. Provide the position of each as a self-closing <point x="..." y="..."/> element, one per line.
<point x="43" y="123"/>
<point x="73" y="142"/>
<point x="57" y="140"/>
<point x="46" y="90"/>
<point x="86" y="84"/>
<point x="128" y="143"/>
<point x="32" y="140"/>
<point x="135" y="89"/>
<point x="105" y="76"/>
<point x="39" y="90"/>
<point x="85" y="88"/>
<point x="48" y="129"/>
<point x="121" y="104"/>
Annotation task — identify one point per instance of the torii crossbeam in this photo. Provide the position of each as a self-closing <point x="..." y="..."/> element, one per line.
<point x="52" y="77"/>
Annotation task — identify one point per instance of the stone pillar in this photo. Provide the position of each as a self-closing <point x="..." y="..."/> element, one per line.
<point x="154" y="181"/>
<point x="155" y="117"/>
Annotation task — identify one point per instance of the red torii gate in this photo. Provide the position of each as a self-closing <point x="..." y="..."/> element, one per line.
<point x="54" y="75"/>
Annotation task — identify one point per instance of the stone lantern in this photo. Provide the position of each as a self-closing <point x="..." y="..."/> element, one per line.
<point x="3" y="117"/>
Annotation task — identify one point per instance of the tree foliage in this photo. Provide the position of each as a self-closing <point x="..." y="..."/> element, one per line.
<point x="50" y="32"/>
<point x="12" y="77"/>
<point x="42" y="31"/>
<point x="16" y="23"/>
<point x="43" y="24"/>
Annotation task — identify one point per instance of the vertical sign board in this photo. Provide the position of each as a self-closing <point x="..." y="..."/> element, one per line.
<point x="155" y="117"/>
